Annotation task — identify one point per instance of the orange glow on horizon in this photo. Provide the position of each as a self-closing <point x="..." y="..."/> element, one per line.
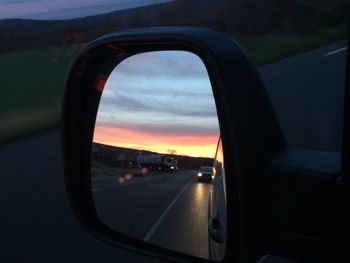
<point x="189" y="145"/>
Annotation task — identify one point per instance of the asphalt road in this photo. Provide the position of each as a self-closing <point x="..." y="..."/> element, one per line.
<point x="36" y="223"/>
<point x="169" y="210"/>
<point x="307" y="92"/>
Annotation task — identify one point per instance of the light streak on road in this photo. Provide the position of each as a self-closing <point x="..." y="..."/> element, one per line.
<point x="335" y="51"/>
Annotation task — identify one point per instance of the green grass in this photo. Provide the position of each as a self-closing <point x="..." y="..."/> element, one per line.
<point x="31" y="89"/>
<point x="20" y="123"/>
<point x="270" y="48"/>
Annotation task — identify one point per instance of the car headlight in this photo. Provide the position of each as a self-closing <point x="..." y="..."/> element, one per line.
<point x="172" y="167"/>
<point x="212" y="177"/>
<point x="199" y="174"/>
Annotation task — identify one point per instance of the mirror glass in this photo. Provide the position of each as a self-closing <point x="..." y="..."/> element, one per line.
<point x="153" y="152"/>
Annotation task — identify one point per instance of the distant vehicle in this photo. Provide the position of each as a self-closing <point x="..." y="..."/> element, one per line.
<point x="157" y="162"/>
<point x="205" y="173"/>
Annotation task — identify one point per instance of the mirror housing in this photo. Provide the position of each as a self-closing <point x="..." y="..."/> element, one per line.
<point x="250" y="132"/>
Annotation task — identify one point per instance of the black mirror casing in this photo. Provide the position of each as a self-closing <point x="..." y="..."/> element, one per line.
<point x="250" y="132"/>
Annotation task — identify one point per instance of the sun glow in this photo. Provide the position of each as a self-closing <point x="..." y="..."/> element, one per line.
<point x="189" y="145"/>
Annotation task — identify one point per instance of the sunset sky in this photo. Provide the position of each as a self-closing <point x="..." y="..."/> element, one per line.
<point x="159" y="101"/>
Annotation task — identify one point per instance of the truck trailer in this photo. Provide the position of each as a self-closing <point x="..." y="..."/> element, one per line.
<point x="157" y="162"/>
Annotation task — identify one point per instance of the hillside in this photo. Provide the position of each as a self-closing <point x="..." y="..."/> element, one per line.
<point x="238" y="18"/>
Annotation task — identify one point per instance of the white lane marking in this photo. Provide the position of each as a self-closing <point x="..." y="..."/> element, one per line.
<point x="334" y="52"/>
<point x="153" y="229"/>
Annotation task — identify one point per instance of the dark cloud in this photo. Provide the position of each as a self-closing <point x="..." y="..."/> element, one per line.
<point x="167" y="129"/>
<point x="131" y="104"/>
<point x="175" y="93"/>
<point x="11" y="2"/>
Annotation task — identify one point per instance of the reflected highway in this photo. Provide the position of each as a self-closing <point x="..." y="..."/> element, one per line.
<point x="170" y="209"/>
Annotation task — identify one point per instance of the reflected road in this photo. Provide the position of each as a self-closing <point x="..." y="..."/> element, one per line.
<point x="170" y="210"/>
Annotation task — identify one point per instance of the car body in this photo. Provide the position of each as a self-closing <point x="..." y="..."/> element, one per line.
<point x="205" y="174"/>
<point x="217" y="208"/>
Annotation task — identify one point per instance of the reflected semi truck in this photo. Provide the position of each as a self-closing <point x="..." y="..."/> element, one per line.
<point x="157" y="162"/>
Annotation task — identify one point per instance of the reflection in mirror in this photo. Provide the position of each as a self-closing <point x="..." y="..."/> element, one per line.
<point x="153" y="151"/>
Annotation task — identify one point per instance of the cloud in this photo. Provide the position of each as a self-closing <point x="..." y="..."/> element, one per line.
<point x="123" y="103"/>
<point x="166" y="82"/>
<point x="172" y="64"/>
<point x="159" y="129"/>
<point x="116" y="89"/>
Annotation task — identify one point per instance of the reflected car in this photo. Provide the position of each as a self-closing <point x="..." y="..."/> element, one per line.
<point x="205" y="173"/>
<point x="217" y="209"/>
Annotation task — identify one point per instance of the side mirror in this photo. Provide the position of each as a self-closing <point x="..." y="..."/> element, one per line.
<point x="156" y="129"/>
<point x="102" y="156"/>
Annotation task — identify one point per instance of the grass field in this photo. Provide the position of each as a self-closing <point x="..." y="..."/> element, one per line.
<point x="32" y="81"/>
<point x="31" y="89"/>
<point x="270" y="48"/>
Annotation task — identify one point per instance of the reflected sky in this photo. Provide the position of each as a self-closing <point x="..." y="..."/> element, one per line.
<point x="159" y="101"/>
<point x="66" y="9"/>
